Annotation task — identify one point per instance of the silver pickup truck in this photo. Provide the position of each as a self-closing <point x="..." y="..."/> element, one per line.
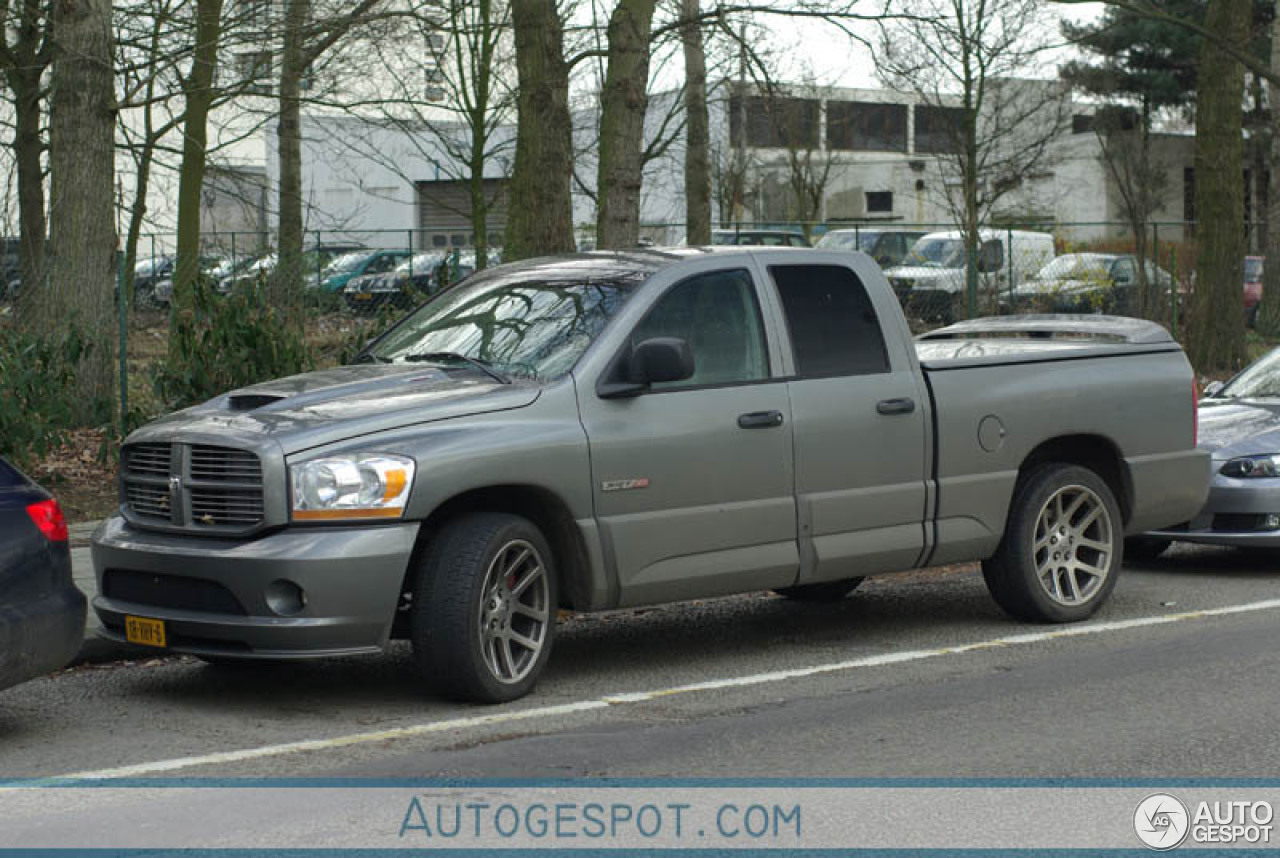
<point x="606" y="430"/>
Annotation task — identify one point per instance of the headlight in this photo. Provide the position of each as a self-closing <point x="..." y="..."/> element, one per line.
<point x="1252" y="466"/>
<point x="351" y="487"/>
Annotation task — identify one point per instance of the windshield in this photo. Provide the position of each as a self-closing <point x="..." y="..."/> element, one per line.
<point x="847" y="240"/>
<point x="421" y="262"/>
<point x="535" y="329"/>
<point x="936" y="253"/>
<point x="1260" y="380"/>
<point x="150" y="265"/>
<point x="347" y="262"/>
<point x="1075" y="267"/>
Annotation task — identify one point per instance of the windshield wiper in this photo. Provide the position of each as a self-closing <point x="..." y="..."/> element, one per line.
<point x="436" y="357"/>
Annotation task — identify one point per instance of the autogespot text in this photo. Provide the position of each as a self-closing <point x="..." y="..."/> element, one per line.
<point x="431" y="820"/>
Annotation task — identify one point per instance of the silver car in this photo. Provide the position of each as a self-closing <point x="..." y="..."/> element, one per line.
<point x="1240" y="426"/>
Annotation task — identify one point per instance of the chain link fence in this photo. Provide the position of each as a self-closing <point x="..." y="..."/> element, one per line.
<point x="354" y="283"/>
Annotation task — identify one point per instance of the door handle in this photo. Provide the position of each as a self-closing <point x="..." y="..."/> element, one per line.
<point x="760" y="419"/>
<point x="905" y="405"/>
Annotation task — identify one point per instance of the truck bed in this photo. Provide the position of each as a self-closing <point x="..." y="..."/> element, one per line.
<point x="990" y="414"/>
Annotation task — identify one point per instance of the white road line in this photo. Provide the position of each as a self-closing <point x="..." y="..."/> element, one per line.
<point x="608" y="701"/>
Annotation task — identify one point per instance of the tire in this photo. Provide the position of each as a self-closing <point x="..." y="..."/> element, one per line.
<point x="825" y="591"/>
<point x="465" y="609"/>
<point x="1056" y="502"/>
<point x="1144" y="549"/>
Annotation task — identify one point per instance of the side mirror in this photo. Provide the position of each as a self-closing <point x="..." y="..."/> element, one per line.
<point x="660" y="359"/>
<point x="651" y="361"/>
<point x="1213" y="388"/>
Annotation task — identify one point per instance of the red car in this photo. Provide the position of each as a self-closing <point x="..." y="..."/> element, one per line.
<point x="1252" y="287"/>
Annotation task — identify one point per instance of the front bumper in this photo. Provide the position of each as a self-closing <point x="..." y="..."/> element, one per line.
<point x="40" y="637"/>
<point x="1234" y="514"/>
<point x="212" y="594"/>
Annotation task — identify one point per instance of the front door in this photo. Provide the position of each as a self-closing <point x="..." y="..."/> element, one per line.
<point x="693" y="479"/>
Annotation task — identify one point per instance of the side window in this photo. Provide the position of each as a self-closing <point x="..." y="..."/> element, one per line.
<point x="1123" y="271"/>
<point x="718" y="315"/>
<point x="833" y="326"/>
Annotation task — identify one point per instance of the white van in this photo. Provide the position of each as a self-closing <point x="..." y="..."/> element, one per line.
<point x="930" y="282"/>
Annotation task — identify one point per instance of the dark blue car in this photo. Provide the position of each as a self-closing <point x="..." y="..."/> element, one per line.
<point x="41" y="612"/>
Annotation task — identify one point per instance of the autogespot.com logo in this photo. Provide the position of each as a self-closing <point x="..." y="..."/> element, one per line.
<point x="1161" y="821"/>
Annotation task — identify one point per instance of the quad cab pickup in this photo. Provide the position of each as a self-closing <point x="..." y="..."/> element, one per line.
<point x="604" y="430"/>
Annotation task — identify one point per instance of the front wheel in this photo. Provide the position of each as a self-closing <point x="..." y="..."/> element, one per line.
<point x="1062" y="546"/>
<point x="484" y="604"/>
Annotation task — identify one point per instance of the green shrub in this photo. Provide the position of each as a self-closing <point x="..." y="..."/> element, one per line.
<point x="226" y="342"/>
<point x="38" y="401"/>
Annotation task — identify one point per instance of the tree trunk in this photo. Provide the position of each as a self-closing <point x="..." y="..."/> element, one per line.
<point x="540" y="209"/>
<point x="286" y="281"/>
<point x="28" y="145"/>
<point x="25" y="67"/>
<point x="697" y="152"/>
<point x="1269" y="311"/>
<point x="1217" y="334"/>
<point x="622" y="109"/>
<point x="483" y="46"/>
<point x="82" y="215"/>
<point x="198" y="90"/>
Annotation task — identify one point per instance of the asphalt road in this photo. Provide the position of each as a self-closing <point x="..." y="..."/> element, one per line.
<point x="913" y="675"/>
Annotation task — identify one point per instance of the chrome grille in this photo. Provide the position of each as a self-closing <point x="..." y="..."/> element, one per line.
<point x="148" y="501"/>
<point x="152" y="459"/>
<point x="193" y="487"/>
<point x="223" y="464"/>
<point x="235" y="507"/>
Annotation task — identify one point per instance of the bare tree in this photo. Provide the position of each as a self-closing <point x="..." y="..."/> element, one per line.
<point x="541" y="211"/>
<point x="82" y="227"/>
<point x="198" y="92"/>
<point x="25" y="54"/>
<point x="963" y="60"/>
<point x="1217" y="338"/>
<point x="697" y="152"/>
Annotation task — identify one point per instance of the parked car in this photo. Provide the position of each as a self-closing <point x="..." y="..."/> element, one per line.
<point x="888" y="247"/>
<point x="931" y="283"/>
<point x="161" y="292"/>
<point x="762" y="237"/>
<point x="359" y="262"/>
<point x="1252" y="287"/>
<point x="419" y="276"/>
<point x="42" y="613"/>
<point x="315" y="259"/>
<point x="611" y="430"/>
<point x="1090" y="283"/>
<point x="1240" y="426"/>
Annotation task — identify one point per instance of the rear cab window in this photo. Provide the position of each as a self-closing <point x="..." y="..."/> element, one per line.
<point x="831" y="321"/>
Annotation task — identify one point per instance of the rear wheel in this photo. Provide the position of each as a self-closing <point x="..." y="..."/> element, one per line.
<point x="1062" y="546"/>
<point x="825" y="591"/>
<point x="483" y="614"/>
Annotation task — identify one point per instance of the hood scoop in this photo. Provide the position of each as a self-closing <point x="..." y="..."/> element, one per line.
<point x="251" y="401"/>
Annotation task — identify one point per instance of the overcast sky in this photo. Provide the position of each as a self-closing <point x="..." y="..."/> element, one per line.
<point x="834" y="62"/>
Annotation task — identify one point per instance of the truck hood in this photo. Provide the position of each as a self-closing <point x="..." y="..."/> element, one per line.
<point x="316" y="408"/>
<point x="1240" y="427"/>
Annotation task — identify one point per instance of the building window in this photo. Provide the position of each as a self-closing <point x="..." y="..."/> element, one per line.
<point x="254" y="71"/>
<point x="434" y="83"/>
<point x="866" y="126"/>
<point x="879" y="202"/>
<point x="774" y="123"/>
<point x="938" y="129"/>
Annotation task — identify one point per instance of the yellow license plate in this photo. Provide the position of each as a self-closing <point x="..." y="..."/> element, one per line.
<point x="146" y="632"/>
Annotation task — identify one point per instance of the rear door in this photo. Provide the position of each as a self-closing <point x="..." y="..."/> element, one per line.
<point x="860" y="417"/>
<point x="692" y="480"/>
